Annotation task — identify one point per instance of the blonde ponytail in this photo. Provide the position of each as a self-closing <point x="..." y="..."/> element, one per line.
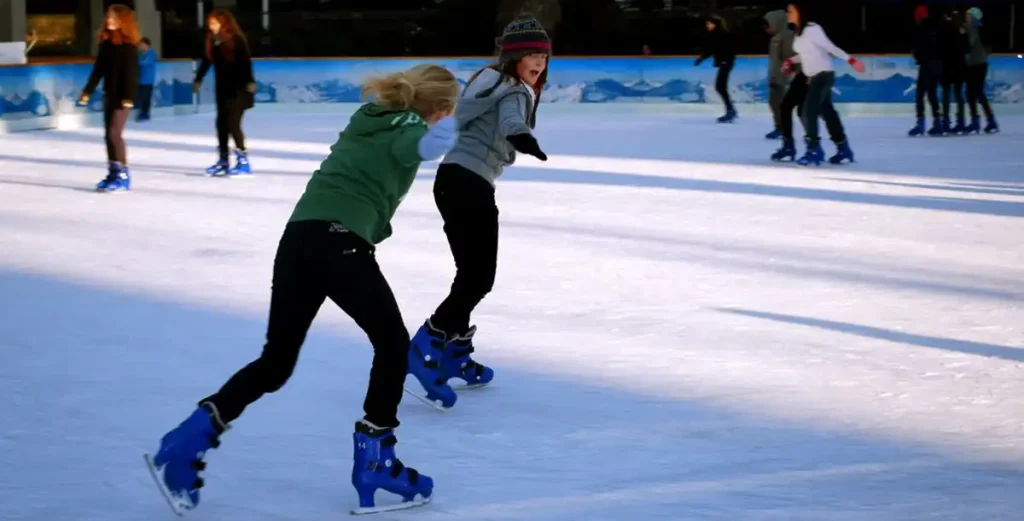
<point x="425" y="89"/>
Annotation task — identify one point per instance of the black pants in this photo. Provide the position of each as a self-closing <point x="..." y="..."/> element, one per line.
<point x="722" y="85"/>
<point x="792" y="99"/>
<point x="976" y="89"/>
<point x="144" y="99"/>
<point x="114" y="119"/>
<point x="928" y="76"/>
<point x="819" y="104"/>
<point x="953" y="83"/>
<point x="318" y="260"/>
<point x="470" y="215"/>
<point x="229" y="122"/>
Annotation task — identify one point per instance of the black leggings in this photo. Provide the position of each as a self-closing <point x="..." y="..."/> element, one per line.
<point x="953" y="83"/>
<point x="229" y="122"/>
<point x="792" y="99"/>
<point x="722" y="85"/>
<point x="928" y="76"/>
<point x="470" y="215"/>
<point x="317" y="260"/>
<point x="976" y="89"/>
<point x="114" y="119"/>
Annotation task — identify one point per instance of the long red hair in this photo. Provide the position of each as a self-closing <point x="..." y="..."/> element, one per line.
<point x="128" y="27"/>
<point x="228" y="31"/>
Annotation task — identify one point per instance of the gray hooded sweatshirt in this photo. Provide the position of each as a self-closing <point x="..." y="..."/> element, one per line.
<point x="976" y="52"/>
<point x="485" y="122"/>
<point x="780" y="48"/>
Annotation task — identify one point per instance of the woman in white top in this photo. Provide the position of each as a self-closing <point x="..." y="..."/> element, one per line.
<point x="814" y="52"/>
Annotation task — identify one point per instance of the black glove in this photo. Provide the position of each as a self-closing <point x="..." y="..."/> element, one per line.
<point x="527" y="144"/>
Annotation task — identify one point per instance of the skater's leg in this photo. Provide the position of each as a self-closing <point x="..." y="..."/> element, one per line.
<point x="114" y="119"/>
<point x="356" y="285"/>
<point x="722" y="87"/>
<point x="297" y="292"/>
<point x="982" y="97"/>
<point x="813" y="104"/>
<point x="223" y="129"/>
<point x="932" y="90"/>
<point x="467" y="205"/>
<point x="235" y="112"/>
<point x="920" y="91"/>
<point x="775" y="94"/>
<point x="973" y="89"/>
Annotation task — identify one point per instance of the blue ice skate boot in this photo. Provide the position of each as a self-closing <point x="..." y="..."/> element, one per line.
<point x="937" y="128"/>
<point x="974" y="127"/>
<point x="427" y="351"/>
<point x="992" y="127"/>
<point x="241" y="168"/>
<point x="918" y="129"/>
<point x="118" y="179"/>
<point x="729" y="117"/>
<point x="177" y="464"/>
<point x="959" y="128"/>
<point x="459" y="364"/>
<point x="376" y="466"/>
<point x="775" y="134"/>
<point x="843" y="153"/>
<point x="814" y="154"/>
<point x="786" y="153"/>
<point x="219" y="168"/>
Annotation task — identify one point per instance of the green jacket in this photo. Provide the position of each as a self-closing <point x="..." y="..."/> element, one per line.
<point x="976" y="52"/>
<point x="780" y="48"/>
<point x="367" y="174"/>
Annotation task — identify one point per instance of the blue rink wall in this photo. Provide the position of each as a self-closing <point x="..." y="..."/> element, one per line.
<point x="43" y="96"/>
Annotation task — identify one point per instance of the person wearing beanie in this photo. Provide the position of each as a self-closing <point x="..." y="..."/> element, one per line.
<point x="496" y="115"/>
<point x="720" y="44"/>
<point x="977" y="70"/>
<point x="928" y="56"/>
<point x="780" y="49"/>
<point x="814" y="51"/>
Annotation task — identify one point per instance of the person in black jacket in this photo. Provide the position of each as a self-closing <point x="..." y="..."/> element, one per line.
<point x="954" y="70"/>
<point x="228" y="52"/>
<point x="720" y="44"/>
<point x="118" y="66"/>
<point x="928" y="55"/>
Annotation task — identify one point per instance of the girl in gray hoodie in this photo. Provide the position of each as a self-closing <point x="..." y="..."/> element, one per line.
<point x="496" y="114"/>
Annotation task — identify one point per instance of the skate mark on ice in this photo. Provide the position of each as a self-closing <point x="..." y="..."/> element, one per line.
<point x="1015" y="354"/>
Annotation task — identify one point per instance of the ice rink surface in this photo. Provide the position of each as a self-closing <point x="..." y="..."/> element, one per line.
<point x="681" y="329"/>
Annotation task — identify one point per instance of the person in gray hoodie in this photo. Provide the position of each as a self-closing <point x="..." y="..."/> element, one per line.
<point x="496" y="114"/>
<point x="977" y="70"/>
<point x="780" y="49"/>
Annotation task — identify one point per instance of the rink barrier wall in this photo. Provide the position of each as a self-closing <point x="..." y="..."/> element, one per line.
<point x="43" y="96"/>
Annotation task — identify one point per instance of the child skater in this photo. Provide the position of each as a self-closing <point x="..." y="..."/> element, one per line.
<point x="147" y="77"/>
<point x="720" y="44"/>
<point x="228" y="51"/>
<point x="327" y="251"/>
<point x="814" y="52"/>
<point x="496" y="113"/>
<point x="118" y="66"/>
<point x="977" y="70"/>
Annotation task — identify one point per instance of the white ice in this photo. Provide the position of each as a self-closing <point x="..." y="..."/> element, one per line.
<point x="681" y="329"/>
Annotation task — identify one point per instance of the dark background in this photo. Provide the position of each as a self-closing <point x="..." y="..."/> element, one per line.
<point x="579" y="27"/>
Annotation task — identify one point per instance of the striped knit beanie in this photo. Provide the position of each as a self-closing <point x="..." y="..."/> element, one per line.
<point x="523" y="36"/>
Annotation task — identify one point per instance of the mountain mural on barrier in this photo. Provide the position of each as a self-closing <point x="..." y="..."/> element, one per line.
<point x="44" y="90"/>
<point x="35" y="105"/>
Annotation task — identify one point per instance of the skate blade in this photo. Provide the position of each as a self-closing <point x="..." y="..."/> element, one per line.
<point x="405" y="505"/>
<point x="470" y="387"/>
<point x="176" y="506"/>
<point x="424" y="399"/>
